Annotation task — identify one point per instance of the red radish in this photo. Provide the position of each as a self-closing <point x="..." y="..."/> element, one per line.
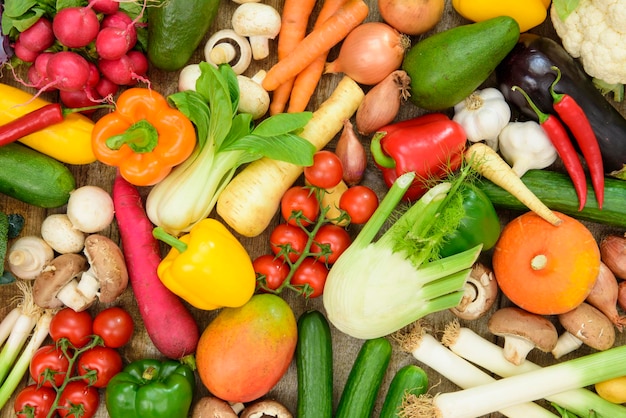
<point x="81" y="98"/>
<point x="169" y="323"/>
<point x="67" y="70"/>
<point x="76" y="27"/>
<point x="112" y="43"/>
<point x="25" y="54"/>
<point x="94" y="75"/>
<point x="106" y="88"/>
<point x="118" y="20"/>
<point x="105" y="6"/>
<point x="38" y="37"/>
<point x="125" y="71"/>
<point x="37" y="72"/>
<point x="140" y="62"/>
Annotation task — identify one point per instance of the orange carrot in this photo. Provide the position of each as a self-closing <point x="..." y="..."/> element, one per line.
<point x="307" y="80"/>
<point x="294" y="21"/>
<point x="320" y="40"/>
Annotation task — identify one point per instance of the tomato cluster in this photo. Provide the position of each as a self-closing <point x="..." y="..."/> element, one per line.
<point x="308" y="242"/>
<point x="83" y="358"/>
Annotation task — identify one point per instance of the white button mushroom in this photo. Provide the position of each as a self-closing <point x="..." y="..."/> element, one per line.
<point x="61" y="234"/>
<point x="90" y="209"/>
<point x="253" y="98"/>
<point x="211" y="406"/>
<point x="188" y="76"/>
<point x="260" y="23"/>
<point x="28" y="255"/>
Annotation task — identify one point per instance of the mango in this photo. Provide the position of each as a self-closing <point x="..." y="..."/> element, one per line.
<point x="245" y="351"/>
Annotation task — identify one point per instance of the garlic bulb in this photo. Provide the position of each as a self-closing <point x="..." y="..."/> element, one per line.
<point x="525" y="146"/>
<point x="28" y="255"/>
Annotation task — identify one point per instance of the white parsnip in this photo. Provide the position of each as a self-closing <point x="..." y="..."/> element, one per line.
<point x="252" y="197"/>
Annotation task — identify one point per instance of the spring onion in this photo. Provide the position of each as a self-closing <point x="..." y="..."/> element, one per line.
<point x="488" y="355"/>
<point x="227" y="140"/>
<point x="376" y="288"/>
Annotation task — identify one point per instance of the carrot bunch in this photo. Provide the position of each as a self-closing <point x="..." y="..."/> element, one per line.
<point x="301" y="56"/>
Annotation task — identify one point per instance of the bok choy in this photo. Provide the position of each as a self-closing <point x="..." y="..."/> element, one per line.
<point x="376" y="288"/>
<point x="227" y="139"/>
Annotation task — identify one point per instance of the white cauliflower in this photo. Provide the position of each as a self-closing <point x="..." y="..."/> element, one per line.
<point x="595" y="32"/>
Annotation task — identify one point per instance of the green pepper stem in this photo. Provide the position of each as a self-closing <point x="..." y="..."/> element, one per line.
<point x="160" y="234"/>
<point x="378" y="154"/>
<point x="543" y="117"/>
<point x="141" y="137"/>
<point x="557" y="97"/>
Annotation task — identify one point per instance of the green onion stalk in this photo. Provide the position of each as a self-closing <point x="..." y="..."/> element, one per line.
<point x="378" y="287"/>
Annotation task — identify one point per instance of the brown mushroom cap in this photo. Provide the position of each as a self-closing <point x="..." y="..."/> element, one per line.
<point x="480" y="293"/>
<point x="589" y="325"/>
<point x="56" y="274"/>
<point x="212" y="407"/>
<point x="519" y="326"/>
<point x="107" y="262"/>
<point x="267" y="407"/>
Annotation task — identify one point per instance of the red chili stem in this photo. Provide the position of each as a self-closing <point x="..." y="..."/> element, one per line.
<point x="559" y="137"/>
<point x="574" y="117"/>
<point x="31" y="122"/>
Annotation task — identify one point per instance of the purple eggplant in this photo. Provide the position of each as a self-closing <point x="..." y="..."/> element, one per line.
<point x="5" y="49"/>
<point x="528" y="66"/>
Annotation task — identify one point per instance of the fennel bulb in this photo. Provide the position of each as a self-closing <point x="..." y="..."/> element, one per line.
<point x="376" y="288"/>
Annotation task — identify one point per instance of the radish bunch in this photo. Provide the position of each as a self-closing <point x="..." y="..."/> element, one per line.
<point x="84" y="52"/>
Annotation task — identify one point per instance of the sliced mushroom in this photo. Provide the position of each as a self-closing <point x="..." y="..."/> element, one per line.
<point x="266" y="408"/>
<point x="28" y="256"/>
<point x="480" y="293"/>
<point x="227" y="47"/>
<point x="55" y="276"/>
<point x="212" y="407"/>
<point x="522" y="331"/>
<point x="258" y="22"/>
<point x="584" y="325"/>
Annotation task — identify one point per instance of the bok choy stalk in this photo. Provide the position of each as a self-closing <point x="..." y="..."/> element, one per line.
<point x="376" y="288"/>
<point x="226" y="140"/>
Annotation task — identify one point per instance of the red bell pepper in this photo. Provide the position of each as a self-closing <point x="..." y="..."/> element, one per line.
<point x="431" y="145"/>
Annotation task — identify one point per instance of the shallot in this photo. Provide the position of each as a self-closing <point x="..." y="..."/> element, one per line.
<point x="604" y="295"/>
<point x="370" y="53"/>
<point x="613" y="252"/>
<point x="391" y="92"/>
<point x="352" y="154"/>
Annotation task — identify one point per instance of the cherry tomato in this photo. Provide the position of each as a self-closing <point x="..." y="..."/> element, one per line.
<point x="326" y="171"/>
<point x="49" y="364"/>
<point x="114" y="325"/>
<point x="288" y="240"/>
<point x="77" y="327"/>
<point x="359" y="202"/>
<point x="299" y="203"/>
<point x="34" y="401"/>
<point x="78" y="400"/>
<point x="274" y="270"/>
<point x="331" y="240"/>
<point x="313" y="273"/>
<point x="105" y="361"/>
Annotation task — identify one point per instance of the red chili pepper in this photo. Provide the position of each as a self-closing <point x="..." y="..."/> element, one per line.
<point x="430" y="145"/>
<point x="576" y="120"/>
<point x="31" y="122"/>
<point x="564" y="147"/>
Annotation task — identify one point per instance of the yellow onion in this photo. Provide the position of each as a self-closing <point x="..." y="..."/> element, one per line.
<point x="370" y="53"/>
<point x="412" y="17"/>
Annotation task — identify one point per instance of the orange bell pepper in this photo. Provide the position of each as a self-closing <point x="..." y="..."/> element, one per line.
<point x="144" y="137"/>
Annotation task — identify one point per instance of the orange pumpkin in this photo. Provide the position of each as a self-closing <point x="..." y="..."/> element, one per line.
<point x="546" y="269"/>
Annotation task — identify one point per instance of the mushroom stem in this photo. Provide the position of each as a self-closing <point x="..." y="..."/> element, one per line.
<point x="28" y="255"/>
<point x="566" y="343"/>
<point x="74" y="298"/>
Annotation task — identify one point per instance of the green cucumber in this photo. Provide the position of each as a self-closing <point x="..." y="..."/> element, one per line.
<point x="409" y="379"/>
<point x="556" y="191"/>
<point x="176" y="28"/>
<point x="359" y="394"/>
<point x="314" y="365"/>
<point x="34" y="178"/>
<point x="448" y="66"/>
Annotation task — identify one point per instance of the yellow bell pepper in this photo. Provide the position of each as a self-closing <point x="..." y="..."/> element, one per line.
<point x="527" y="13"/>
<point x="208" y="267"/>
<point x="68" y="141"/>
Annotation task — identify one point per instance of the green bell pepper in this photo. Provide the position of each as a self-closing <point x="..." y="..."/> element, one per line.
<point x="151" y="388"/>
<point x="480" y="225"/>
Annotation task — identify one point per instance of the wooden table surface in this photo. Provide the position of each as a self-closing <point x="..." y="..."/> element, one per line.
<point x="345" y="348"/>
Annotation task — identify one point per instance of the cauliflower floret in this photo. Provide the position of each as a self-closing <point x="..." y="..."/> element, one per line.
<point x="595" y="32"/>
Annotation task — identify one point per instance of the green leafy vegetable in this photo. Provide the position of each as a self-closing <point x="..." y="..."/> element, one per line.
<point x="565" y="7"/>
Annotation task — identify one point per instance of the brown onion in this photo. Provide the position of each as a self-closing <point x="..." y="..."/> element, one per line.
<point x="370" y="53"/>
<point x="381" y="104"/>
<point x="604" y="295"/>
<point x="412" y="17"/>
<point x="352" y="154"/>
<point x="613" y="252"/>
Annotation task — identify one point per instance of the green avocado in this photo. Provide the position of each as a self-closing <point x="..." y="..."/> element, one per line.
<point x="448" y="66"/>
<point x="176" y="28"/>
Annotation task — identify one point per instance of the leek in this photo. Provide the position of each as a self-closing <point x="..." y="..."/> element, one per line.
<point x="226" y="140"/>
<point x="376" y="288"/>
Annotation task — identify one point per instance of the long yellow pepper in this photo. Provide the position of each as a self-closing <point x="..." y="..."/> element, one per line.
<point x="527" y="13"/>
<point x="68" y="141"/>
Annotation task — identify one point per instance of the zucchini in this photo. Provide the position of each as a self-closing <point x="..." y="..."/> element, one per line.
<point x="34" y="178"/>
<point x="314" y="365"/>
<point x="359" y="394"/>
<point x="557" y="192"/>
<point x="410" y="379"/>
